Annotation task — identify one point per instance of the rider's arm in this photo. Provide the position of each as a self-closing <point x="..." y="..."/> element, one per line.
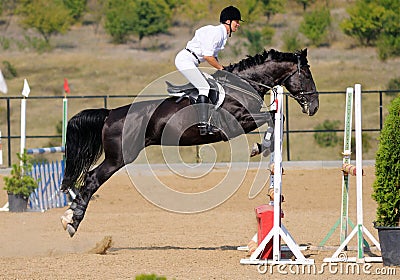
<point x="213" y="62"/>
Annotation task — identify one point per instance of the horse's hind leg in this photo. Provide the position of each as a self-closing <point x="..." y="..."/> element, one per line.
<point x="94" y="179"/>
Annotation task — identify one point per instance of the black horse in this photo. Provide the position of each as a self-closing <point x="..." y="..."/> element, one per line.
<point x="123" y="132"/>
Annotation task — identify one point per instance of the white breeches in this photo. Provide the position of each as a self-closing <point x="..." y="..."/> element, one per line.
<point x="187" y="64"/>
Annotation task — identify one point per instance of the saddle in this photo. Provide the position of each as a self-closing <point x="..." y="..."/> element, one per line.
<point x="216" y="94"/>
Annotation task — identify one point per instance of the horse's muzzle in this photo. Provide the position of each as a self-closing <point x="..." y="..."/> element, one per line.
<point x="312" y="109"/>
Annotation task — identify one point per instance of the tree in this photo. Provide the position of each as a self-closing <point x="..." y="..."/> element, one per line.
<point x="119" y="21"/>
<point x="328" y="138"/>
<point x="47" y="17"/>
<point x="193" y="11"/>
<point x="140" y="17"/>
<point x="96" y="9"/>
<point x="8" y="8"/>
<point x="256" y="35"/>
<point x="151" y="17"/>
<point x="315" y="26"/>
<point x="305" y="3"/>
<point x="375" y="23"/>
<point x="365" y="22"/>
<point x="251" y="11"/>
<point x="76" y="7"/>
<point x="389" y="39"/>
<point x="272" y="7"/>
<point x="175" y="4"/>
<point x="258" y="39"/>
<point x="291" y="41"/>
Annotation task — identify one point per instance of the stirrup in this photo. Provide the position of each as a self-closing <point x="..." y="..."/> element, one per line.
<point x="202" y="128"/>
<point x="211" y="129"/>
<point x="206" y="128"/>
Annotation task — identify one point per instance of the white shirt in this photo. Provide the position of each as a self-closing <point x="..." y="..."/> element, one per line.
<point x="208" y="41"/>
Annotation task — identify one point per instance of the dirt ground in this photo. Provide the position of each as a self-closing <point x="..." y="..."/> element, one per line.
<point x="147" y="239"/>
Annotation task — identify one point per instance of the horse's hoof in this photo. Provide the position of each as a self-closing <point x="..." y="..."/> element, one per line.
<point x="254" y="150"/>
<point x="70" y="229"/>
<point x="64" y="223"/>
<point x="67" y="218"/>
<point x="266" y="153"/>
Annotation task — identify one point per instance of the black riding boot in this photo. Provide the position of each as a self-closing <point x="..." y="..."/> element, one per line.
<point x="202" y="112"/>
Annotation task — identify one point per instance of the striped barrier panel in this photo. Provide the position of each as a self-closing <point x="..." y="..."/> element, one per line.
<point x="48" y="195"/>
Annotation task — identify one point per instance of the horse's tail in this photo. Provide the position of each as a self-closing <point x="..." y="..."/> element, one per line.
<point x="84" y="145"/>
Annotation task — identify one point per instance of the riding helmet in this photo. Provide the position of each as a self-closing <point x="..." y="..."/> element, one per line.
<point x="230" y="13"/>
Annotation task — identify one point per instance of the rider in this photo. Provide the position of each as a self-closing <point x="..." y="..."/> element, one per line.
<point x="204" y="46"/>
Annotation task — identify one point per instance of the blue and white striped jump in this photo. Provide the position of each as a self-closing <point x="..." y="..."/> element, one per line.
<point x="45" y="150"/>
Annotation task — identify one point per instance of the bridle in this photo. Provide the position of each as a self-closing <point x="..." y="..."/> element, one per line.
<point x="301" y="96"/>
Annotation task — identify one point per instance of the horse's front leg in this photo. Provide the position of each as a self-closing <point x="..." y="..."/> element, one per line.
<point x="266" y="147"/>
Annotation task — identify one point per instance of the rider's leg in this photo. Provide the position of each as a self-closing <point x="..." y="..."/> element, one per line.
<point x="199" y="81"/>
<point x="202" y="112"/>
<point x="188" y="67"/>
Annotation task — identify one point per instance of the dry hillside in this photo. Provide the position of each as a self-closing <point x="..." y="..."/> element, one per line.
<point x="94" y="66"/>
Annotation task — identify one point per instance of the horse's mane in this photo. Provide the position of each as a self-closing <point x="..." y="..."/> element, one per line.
<point x="258" y="59"/>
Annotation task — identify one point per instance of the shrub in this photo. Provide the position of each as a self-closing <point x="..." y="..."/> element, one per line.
<point x="38" y="44"/>
<point x="152" y="17"/>
<point x="258" y="39"/>
<point x="119" y="21"/>
<point x="328" y="138"/>
<point x="291" y="41"/>
<point x="394" y="84"/>
<point x="366" y="138"/>
<point x="139" y="17"/>
<point x="365" y="21"/>
<point x="20" y="182"/>
<point x="387" y="170"/>
<point x="76" y="7"/>
<point x="4" y="43"/>
<point x="46" y="17"/>
<point x="149" y="277"/>
<point x="315" y="26"/>
<point x="375" y="23"/>
<point x="9" y="71"/>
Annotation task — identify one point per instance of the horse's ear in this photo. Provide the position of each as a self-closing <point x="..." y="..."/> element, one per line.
<point x="304" y="52"/>
<point x="271" y="54"/>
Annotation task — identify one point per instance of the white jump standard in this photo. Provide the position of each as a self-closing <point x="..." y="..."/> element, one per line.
<point x="359" y="229"/>
<point x="278" y="230"/>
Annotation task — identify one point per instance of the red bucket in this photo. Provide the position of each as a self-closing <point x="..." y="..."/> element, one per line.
<point x="265" y="221"/>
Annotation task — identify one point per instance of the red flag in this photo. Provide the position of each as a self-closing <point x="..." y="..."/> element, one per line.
<point x="66" y="87"/>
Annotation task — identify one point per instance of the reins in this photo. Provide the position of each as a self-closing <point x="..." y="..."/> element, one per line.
<point x="299" y="97"/>
<point x="298" y="70"/>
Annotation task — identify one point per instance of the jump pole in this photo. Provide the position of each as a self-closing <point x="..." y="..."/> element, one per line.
<point x="359" y="229"/>
<point x="46" y="150"/>
<point x="64" y="121"/>
<point x="278" y="230"/>
<point x="65" y="113"/>
<point x="343" y="220"/>
<point x="1" y="151"/>
<point x="25" y="92"/>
